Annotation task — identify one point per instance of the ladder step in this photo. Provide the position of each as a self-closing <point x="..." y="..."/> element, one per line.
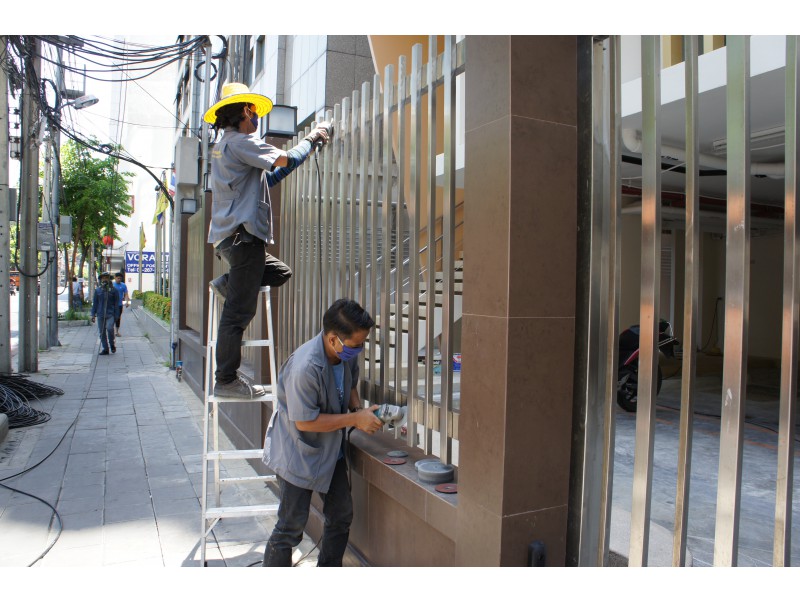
<point x="247" y="343"/>
<point x="255" y="478"/>
<point x="246" y="511"/>
<point x="268" y="397"/>
<point x="234" y="454"/>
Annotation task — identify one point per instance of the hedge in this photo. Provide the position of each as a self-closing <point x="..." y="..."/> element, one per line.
<point x="158" y="304"/>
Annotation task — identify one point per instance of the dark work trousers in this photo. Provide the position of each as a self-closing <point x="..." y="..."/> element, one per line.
<point x="105" y="326"/>
<point x="247" y="258"/>
<point x="293" y="514"/>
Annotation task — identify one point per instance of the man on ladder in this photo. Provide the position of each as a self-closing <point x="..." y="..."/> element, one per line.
<point x="241" y="220"/>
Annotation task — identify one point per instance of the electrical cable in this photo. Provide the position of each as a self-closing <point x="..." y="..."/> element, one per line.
<point x="713" y="324"/>
<point x="40" y="387"/>
<point x="16" y="387"/>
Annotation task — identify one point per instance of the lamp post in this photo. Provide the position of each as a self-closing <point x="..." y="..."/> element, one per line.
<point x="51" y="287"/>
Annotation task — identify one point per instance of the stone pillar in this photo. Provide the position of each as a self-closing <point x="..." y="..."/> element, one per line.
<point x="519" y="298"/>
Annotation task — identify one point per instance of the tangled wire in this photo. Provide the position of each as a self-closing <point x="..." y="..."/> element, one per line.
<point x="15" y="393"/>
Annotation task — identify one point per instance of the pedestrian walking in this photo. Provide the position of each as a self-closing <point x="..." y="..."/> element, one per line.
<point x="243" y="167"/>
<point x="105" y="306"/>
<point x="305" y="439"/>
<point x="77" y="295"/>
<point x="122" y="291"/>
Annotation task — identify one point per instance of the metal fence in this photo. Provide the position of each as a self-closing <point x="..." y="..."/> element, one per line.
<point x="366" y="219"/>
<point x="603" y="298"/>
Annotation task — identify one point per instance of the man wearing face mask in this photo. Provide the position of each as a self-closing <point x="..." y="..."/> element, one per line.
<point x="105" y="307"/>
<point x="305" y="439"/>
<point x="243" y="167"/>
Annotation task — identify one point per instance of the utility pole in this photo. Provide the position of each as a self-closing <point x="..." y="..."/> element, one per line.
<point x="55" y="136"/>
<point x="29" y="200"/>
<point x="44" y="308"/>
<point x="5" y="298"/>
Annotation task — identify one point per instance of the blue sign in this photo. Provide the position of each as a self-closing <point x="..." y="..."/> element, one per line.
<point x="148" y="262"/>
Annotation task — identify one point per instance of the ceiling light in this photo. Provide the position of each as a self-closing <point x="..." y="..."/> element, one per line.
<point x="770" y="136"/>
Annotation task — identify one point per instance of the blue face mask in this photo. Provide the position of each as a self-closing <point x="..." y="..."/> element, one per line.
<point x="347" y="352"/>
<point x="254" y="121"/>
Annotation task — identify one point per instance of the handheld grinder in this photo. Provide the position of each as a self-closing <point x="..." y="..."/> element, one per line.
<point x="390" y="413"/>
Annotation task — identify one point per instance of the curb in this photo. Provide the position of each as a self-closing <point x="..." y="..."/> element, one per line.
<point x="3" y="427"/>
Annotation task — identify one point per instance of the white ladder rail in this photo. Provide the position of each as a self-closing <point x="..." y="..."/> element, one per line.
<point x="210" y="515"/>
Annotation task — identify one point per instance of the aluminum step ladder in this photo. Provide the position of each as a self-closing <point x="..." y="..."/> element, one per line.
<point x="214" y="513"/>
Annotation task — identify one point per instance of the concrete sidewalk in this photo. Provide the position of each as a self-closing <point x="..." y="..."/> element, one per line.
<point x="126" y="477"/>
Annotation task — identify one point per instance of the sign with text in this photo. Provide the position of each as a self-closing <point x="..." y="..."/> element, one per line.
<point x="148" y="262"/>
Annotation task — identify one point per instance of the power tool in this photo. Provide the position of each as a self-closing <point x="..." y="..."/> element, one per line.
<point x="389" y="413"/>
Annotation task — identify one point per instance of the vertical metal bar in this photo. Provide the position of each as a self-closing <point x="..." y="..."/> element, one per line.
<point x="330" y="181"/>
<point x="448" y="248"/>
<point x="399" y="238"/>
<point x="690" y="302"/>
<point x="307" y="251"/>
<point x="791" y="298"/>
<point x="323" y="235"/>
<point x="342" y="166"/>
<point x="386" y="238"/>
<point x="283" y="253"/>
<point x="649" y="308"/>
<point x="273" y="375"/>
<point x="610" y="242"/>
<point x="737" y="302"/>
<point x="430" y="308"/>
<point x="313" y="230"/>
<point x="296" y="282"/>
<point x="373" y="256"/>
<point x="353" y="223"/>
<point x="415" y="191"/>
<point x="363" y="205"/>
<point x="362" y="199"/>
<point x="316" y="196"/>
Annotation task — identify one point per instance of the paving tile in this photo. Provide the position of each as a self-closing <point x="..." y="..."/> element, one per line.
<point x="121" y="499"/>
<point x="80" y="505"/>
<point x="176" y="507"/>
<point x="72" y="491"/>
<point x="123" y="513"/>
<point x="84" y="556"/>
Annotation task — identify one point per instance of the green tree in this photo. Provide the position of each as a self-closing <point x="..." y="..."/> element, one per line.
<point x="95" y="194"/>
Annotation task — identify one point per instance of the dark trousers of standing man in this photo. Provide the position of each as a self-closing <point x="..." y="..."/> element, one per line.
<point x="105" y="327"/>
<point x="247" y="257"/>
<point x="293" y="514"/>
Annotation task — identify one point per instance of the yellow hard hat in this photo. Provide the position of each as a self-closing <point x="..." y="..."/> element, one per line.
<point x="234" y="92"/>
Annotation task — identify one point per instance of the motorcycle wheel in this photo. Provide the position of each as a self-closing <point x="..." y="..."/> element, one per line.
<point x="627" y="393"/>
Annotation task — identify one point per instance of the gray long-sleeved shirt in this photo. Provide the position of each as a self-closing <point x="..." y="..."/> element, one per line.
<point x="239" y="185"/>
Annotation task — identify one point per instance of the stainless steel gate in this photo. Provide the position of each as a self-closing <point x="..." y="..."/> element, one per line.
<point x="596" y="381"/>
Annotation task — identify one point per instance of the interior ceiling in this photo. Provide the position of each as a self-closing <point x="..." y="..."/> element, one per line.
<point x="766" y="112"/>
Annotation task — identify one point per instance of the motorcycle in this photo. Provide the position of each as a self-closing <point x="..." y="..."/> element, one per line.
<point x="628" y="373"/>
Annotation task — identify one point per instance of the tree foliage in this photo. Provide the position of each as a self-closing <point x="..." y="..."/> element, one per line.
<point x="95" y="194"/>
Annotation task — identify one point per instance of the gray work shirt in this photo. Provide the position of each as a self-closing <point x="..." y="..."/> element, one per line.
<point x="306" y="388"/>
<point x="239" y="186"/>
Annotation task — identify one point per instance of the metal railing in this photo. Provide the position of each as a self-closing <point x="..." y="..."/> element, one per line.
<point x="597" y="382"/>
<point x="354" y="230"/>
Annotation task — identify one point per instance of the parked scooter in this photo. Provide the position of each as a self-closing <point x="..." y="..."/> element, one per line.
<point x="628" y="373"/>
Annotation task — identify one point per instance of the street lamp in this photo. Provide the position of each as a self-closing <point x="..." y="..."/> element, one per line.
<point x="81" y="102"/>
